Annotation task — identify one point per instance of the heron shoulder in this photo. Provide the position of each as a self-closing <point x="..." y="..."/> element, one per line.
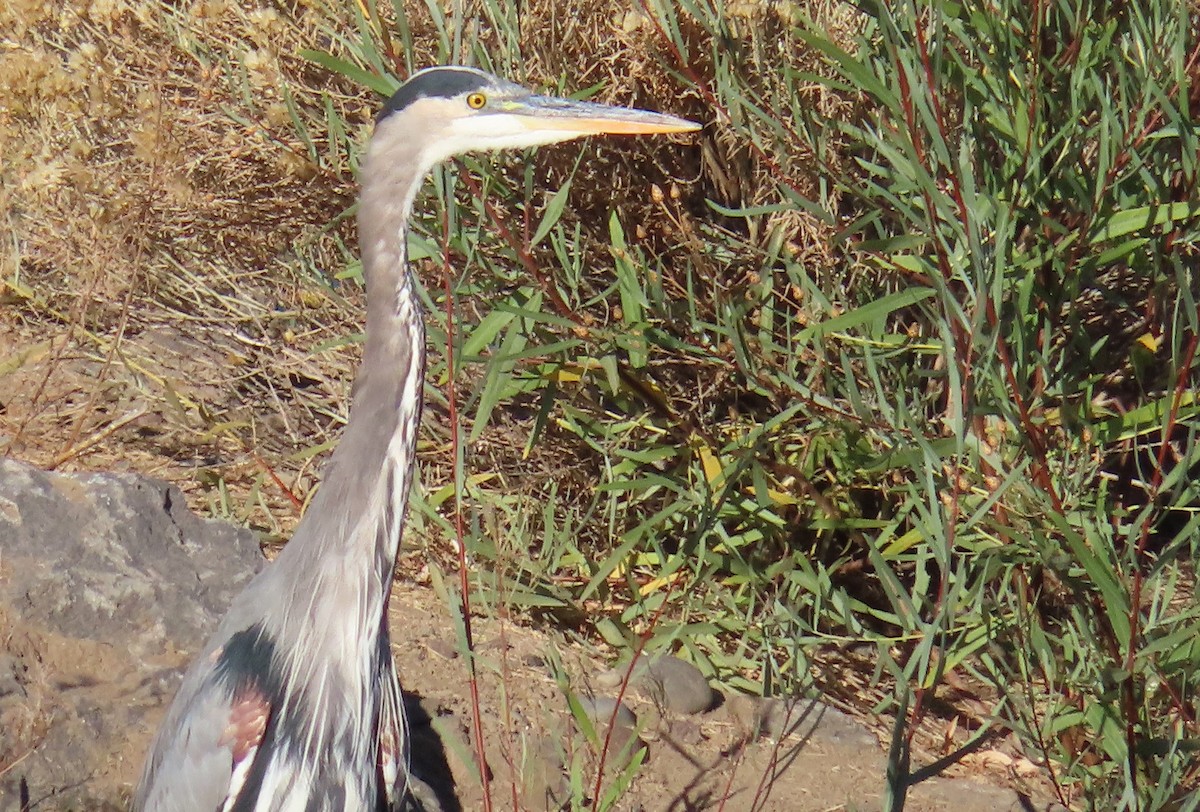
<point x="249" y="659"/>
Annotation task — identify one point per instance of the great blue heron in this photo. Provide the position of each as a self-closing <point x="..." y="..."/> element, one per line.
<point x="294" y="704"/>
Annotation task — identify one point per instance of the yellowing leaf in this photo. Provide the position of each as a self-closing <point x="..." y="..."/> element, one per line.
<point x="1150" y="341"/>
<point x="776" y="497"/>
<point x="709" y="461"/>
<point x="903" y="543"/>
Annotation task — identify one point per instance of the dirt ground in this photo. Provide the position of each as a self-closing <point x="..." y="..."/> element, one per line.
<point x="707" y="761"/>
<point x="537" y="759"/>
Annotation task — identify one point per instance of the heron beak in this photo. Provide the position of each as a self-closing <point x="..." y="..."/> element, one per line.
<point x="546" y="113"/>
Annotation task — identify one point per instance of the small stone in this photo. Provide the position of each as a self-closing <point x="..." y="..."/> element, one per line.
<point x="686" y="731"/>
<point x="679" y="685"/>
<point x="624" y="741"/>
<point x="424" y="795"/>
<point x="622" y="746"/>
<point x="808" y="718"/>
<point x="675" y="684"/>
<point x="609" y="679"/>
<point x="600" y="709"/>
<point x="441" y="648"/>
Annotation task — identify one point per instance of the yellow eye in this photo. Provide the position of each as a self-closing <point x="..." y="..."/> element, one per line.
<point x="476" y="101"/>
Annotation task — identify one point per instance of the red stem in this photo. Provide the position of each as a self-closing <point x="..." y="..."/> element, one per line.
<point x="463" y="582"/>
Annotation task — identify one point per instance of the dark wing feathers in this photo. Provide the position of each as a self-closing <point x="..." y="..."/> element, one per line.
<point x="219" y="718"/>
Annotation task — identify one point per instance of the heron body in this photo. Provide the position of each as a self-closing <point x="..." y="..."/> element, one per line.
<point x="294" y="703"/>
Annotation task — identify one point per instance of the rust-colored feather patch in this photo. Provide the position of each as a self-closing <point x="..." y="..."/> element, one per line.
<point x="247" y="723"/>
<point x="389" y="759"/>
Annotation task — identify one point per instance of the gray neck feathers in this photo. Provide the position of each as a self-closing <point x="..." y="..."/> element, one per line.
<point x="357" y="516"/>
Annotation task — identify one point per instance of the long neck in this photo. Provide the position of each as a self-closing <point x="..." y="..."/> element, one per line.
<point x="358" y="514"/>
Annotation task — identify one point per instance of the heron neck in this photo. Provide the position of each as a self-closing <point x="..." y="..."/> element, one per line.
<point x="356" y="519"/>
<point x="385" y="412"/>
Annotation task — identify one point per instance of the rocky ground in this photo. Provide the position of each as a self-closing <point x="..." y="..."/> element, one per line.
<point x="108" y="583"/>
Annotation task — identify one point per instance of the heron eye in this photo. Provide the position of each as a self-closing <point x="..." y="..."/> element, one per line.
<point x="476" y="101"/>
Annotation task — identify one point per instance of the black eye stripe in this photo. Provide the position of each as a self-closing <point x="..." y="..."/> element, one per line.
<point x="444" y="83"/>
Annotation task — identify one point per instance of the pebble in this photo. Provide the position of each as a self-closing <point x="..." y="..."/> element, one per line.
<point x="624" y="742"/>
<point x="680" y="685"/>
<point x="599" y="709"/>
<point x="784" y="716"/>
<point x="622" y="746"/>
<point x="676" y="684"/>
<point x="441" y="648"/>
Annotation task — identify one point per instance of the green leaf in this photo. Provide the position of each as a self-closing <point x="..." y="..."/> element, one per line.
<point x="1148" y="418"/>
<point x="486" y="331"/>
<point x="498" y="386"/>
<point x="383" y="85"/>
<point x="554" y="211"/>
<point x="870" y="312"/>
<point x="1141" y="218"/>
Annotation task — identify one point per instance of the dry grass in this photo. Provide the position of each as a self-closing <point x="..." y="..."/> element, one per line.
<point x="168" y="268"/>
<point x="153" y="259"/>
<point x="169" y="274"/>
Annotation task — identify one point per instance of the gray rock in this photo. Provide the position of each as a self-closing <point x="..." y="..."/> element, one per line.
<point x="117" y="558"/>
<point x="957" y="792"/>
<point x="675" y="684"/>
<point x="601" y="709"/>
<point x="679" y="684"/>
<point x="624" y="741"/>
<point x="623" y="745"/>
<point x="107" y="584"/>
<point x="806" y="718"/>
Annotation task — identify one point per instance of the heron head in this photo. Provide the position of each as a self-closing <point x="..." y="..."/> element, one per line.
<point x="457" y="109"/>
